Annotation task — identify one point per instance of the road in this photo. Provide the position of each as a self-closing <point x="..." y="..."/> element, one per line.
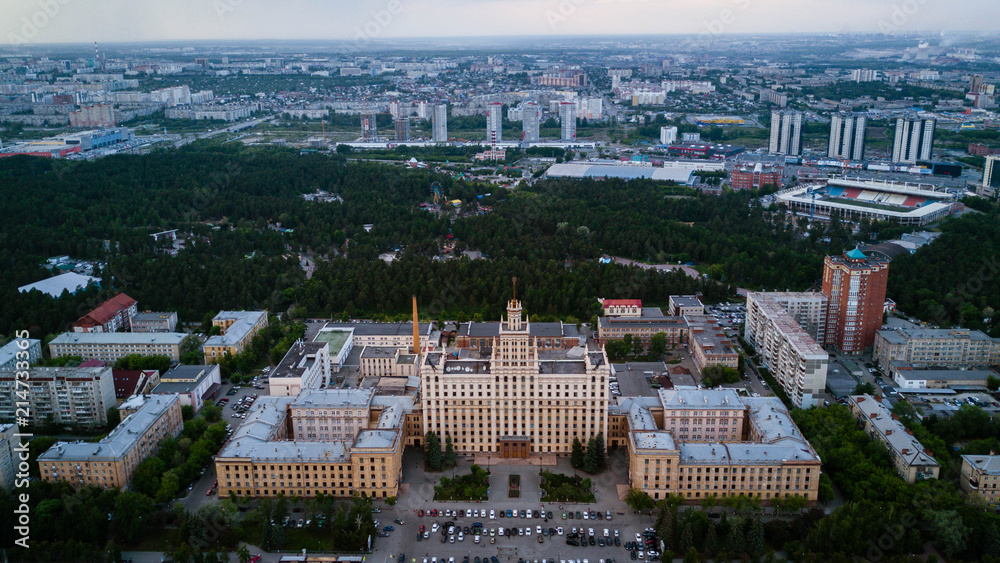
<point x="659" y="267"/>
<point x="230" y="129"/>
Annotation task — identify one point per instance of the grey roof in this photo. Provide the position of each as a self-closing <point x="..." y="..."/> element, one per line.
<point x="900" y="335"/>
<point x="298" y="359"/>
<point x="120" y="440"/>
<point x="700" y="399"/>
<point x="892" y="431"/>
<point x="686" y="301"/>
<point x="106" y="338"/>
<point x="243" y="324"/>
<point x="54" y="286"/>
<point x="989" y="464"/>
<point x="379" y="352"/>
<point x="151" y="316"/>
<point x="9" y="350"/>
<point x="339" y="398"/>
<point x="62" y="373"/>
<point x="537" y="330"/>
<point x="579" y="170"/>
<point x="375" y="439"/>
<point x="943" y="374"/>
<point x="382" y="329"/>
<point x="658" y="440"/>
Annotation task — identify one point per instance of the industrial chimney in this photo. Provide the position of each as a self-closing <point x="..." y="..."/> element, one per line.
<point x="416" y="328"/>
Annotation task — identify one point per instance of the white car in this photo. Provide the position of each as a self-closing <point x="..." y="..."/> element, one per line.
<point x="500" y="531"/>
<point x="559" y="530"/>
<point x="590" y="531"/>
<point x="616" y="533"/>
<point x="527" y="531"/>
<point x="435" y="527"/>
<point x="638" y="537"/>
<point x="461" y="536"/>
<point x="586" y="515"/>
<point x="606" y="532"/>
<point x="493" y="515"/>
<point x="641" y="555"/>
<point x="538" y="530"/>
<point x="476" y="539"/>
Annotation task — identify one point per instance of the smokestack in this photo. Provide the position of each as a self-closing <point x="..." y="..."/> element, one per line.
<point x="416" y="328"/>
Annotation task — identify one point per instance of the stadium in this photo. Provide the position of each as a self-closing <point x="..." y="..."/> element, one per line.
<point x="906" y="204"/>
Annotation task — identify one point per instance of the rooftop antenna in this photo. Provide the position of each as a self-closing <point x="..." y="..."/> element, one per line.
<point x="514" y="280"/>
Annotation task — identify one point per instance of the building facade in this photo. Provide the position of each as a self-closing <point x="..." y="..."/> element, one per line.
<point x="193" y="384"/>
<point x="154" y="322"/>
<point x="238" y="329"/>
<point x="786" y="133"/>
<point x="981" y="477"/>
<point x="713" y="443"/>
<point x="306" y="365"/>
<point x="911" y="459"/>
<point x="66" y="396"/>
<point x="959" y="348"/>
<point x="622" y="307"/>
<point x="567" y="121"/>
<point x="709" y="344"/>
<point x="847" y="136"/>
<point x="531" y="118"/>
<point x="855" y="286"/>
<point x="786" y="345"/>
<point x="111" y="462"/>
<point x="494" y="123"/>
<point x="914" y="140"/>
<point x="109" y="347"/>
<point x="112" y="315"/>
<point x="756" y="177"/>
<point x="9" y="353"/>
<point x="515" y="404"/>
<point x="440" y="123"/>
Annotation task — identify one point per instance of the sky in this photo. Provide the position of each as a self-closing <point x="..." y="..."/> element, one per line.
<point x="86" y="21"/>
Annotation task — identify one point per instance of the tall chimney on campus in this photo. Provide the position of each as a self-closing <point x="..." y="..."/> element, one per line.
<point x="416" y="328"/>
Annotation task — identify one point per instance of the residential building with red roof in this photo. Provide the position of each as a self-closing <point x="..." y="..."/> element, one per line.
<point x="115" y="313"/>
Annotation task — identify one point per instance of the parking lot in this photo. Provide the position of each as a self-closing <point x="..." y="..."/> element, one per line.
<point x="415" y="508"/>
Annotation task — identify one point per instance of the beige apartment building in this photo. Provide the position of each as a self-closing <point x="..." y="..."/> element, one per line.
<point x="715" y="443"/>
<point x="936" y="347"/>
<point x="238" y="329"/>
<point x="111" y="462"/>
<point x="519" y="401"/>
<point x="981" y="476"/>
<point x="709" y="344"/>
<point x="911" y="459"/>
<point x="109" y="347"/>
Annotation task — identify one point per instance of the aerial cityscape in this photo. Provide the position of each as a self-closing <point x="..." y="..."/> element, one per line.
<point x="441" y="281"/>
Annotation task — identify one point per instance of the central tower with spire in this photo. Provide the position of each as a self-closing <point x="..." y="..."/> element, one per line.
<point x="514" y="322"/>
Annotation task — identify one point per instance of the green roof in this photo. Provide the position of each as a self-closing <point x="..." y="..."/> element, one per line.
<point x="856" y="254"/>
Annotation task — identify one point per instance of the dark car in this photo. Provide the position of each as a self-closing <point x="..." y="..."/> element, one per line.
<point x="592" y="540"/>
<point x="618" y="541"/>
<point x="388" y="529"/>
<point x="632" y="555"/>
<point x="572" y="541"/>
<point x="579" y="515"/>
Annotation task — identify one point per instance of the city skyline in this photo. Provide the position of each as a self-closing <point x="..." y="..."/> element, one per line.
<point x="66" y="21"/>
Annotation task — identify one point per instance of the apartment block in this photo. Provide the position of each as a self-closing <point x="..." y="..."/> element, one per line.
<point x="10" y="455"/>
<point x="855" y="286"/>
<point x="789" y="351"/>
<point x="709" y="344"/>
<point x="108" y="347"/>
<point x="911" y="459"/>
<point x="936" y="347"/>
<point x="112" y="315"/>
<point x="111" y="462"/>
<point x="981" y="476"/>
<point x="69" y="396"/>
<point x="9" y="353"/>
<point x="238" y="329"/>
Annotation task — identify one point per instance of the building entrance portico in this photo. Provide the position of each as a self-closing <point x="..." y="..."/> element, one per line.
<point x="518" y="447"/>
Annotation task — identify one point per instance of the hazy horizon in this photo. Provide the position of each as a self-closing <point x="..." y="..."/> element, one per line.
<point x="41" y="22"/>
